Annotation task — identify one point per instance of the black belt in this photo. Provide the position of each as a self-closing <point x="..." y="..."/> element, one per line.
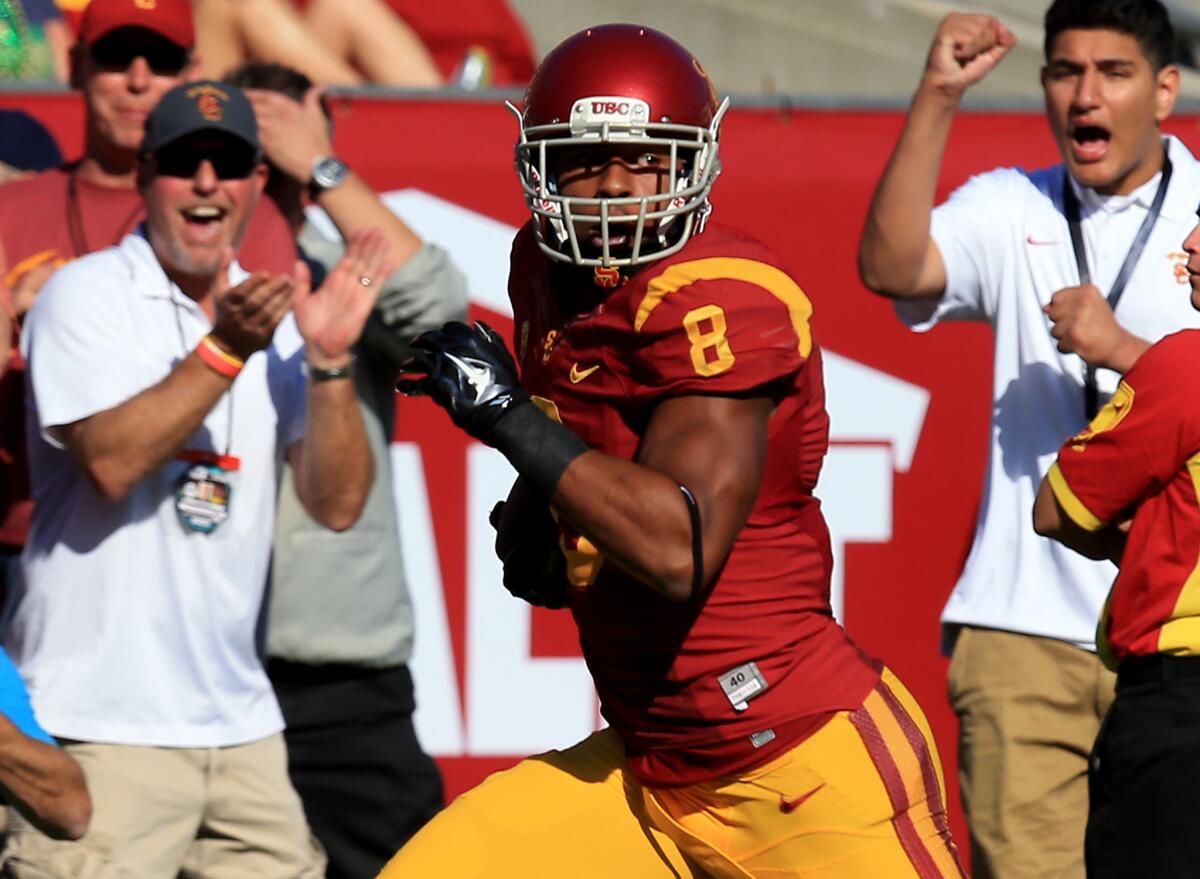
<point x="1157" y="668"/>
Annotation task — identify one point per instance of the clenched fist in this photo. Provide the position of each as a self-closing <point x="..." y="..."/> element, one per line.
<point x="966" y="47"/>
<point x="1084" y="324"/>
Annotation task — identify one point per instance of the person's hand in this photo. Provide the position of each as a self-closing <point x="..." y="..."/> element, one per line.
<point x="247" y="315"/>
<point x="332" y="318"/>
<point x="25" y="291"/>
<point x="965" y="48"/>
<point x="468" y="372"/>
<point x="535" y="569"/>
<point x="1084" y="324"/>
<point x="293" y="134"/>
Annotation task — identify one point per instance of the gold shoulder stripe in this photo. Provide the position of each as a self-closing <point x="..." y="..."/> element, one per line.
<point x="1072" y="506"/>
<point x="720" y="268"/>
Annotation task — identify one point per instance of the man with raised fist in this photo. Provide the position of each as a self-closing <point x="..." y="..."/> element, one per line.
<point x="1072" y="266"/>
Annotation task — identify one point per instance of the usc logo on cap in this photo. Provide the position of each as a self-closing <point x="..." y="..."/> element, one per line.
<point x="146" y="4"/>
<point x="208" y="100"/>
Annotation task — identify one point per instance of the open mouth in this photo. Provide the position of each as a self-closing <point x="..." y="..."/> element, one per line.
<point x="1090" y="142"/>
<point x="204" y="222"/>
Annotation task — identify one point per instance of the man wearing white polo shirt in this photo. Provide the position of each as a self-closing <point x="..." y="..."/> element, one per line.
<point x="168" y="387"/>
<point x="1076" y="269"/>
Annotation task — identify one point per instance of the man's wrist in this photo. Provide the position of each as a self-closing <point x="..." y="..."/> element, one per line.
<point x="1127" y="352"/>
<point x="539" y="448"/>
<point x="222" y="346"/>
<point x="326" y="172"/>
<point x="318" y="359"/>
<point x="318" y="374"/>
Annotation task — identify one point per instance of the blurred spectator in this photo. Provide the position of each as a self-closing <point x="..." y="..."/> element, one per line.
<point x="334" y="42"/>
<point x="475" y="43"/>
<point x="165" y="400"/>
<point x="130" y="52"/>
<point x="338" y="657"/>
<point x="25" y="146"/>
<point x="37" y="778"/>
<point x="34" y="41"/>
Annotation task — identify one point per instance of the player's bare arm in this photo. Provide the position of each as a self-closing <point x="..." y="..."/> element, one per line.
<point x="634" y="511"/>
<point x="897" y="257"/>
<point x="121" y="446"/>
<point x="333" y="466"/>
<point x="1051" y="520"/>
<point x="637" y="513"/>
<point x="1084" y="324"/>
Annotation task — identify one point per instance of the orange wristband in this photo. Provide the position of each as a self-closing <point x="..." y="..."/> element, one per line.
<point x="218" y="360"/>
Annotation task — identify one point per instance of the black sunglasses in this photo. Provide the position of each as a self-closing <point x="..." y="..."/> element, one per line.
<point x="230" y="162"/>
<point x="114" y="54"/>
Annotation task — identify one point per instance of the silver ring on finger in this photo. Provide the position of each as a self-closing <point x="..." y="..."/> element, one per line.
<point x="365" y="281"/>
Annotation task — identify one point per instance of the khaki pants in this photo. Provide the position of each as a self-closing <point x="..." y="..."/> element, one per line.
<point x="158" y="813"/>
<point x="1029" y="710"/>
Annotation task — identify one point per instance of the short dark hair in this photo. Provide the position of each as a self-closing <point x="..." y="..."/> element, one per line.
<point x="273" y="77"/>
<point x="1147" y="21"/>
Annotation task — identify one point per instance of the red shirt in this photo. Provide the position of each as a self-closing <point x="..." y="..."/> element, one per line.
<point x="719" y="317"/>
<point x="1141" y="455"/>
<point x="41" y="223"/>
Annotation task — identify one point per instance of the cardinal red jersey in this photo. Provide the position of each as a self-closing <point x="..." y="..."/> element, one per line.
<point x="1141" y="454"/>
<point x="729" y="679"/>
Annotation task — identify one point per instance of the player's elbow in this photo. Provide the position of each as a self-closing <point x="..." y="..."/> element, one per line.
<point x="675" y="576"/>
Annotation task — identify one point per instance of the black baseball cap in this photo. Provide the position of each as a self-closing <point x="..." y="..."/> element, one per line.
<point x="203" y="105"/>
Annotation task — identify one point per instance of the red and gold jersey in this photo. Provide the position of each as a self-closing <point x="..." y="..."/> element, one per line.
<point x="1141" y="455"/>
<point x="725" y="681"/>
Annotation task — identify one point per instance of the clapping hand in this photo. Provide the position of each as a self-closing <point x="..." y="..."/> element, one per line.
<point x="332" y="318"/>
<point x="247" y="314"/>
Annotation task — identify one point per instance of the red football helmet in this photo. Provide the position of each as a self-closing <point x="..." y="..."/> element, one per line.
<point x="620" y="84"/>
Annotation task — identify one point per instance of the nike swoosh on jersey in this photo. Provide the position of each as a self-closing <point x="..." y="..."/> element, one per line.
<point x="1037" y="241"/>
<point x="578" y="375"/>
<point x="788" y="806"/>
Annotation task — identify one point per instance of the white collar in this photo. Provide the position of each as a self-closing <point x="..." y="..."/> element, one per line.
<point x="152" y="280"/>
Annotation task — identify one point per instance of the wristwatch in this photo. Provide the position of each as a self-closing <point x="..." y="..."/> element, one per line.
<point x="327" y="173"/>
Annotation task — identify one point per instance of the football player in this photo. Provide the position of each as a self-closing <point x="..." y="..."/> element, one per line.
<point x="670" y="417"/>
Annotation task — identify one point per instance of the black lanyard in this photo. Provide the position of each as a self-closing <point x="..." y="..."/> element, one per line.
<point x="1091" y="394"/>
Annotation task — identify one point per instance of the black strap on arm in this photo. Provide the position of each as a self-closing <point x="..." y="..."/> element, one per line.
<point x="1091" y="394"/>
<point x="697" y="541"/>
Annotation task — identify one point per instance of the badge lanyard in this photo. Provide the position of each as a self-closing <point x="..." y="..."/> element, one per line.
<point x="204" y="491"/>
<point x="1091" y="394"/>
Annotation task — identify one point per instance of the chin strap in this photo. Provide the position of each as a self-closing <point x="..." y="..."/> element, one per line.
<point x="697" y="541"/>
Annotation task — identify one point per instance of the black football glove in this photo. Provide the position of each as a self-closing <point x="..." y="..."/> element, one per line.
<point x="535" y="570"/>
<point x="468" y="372"/>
